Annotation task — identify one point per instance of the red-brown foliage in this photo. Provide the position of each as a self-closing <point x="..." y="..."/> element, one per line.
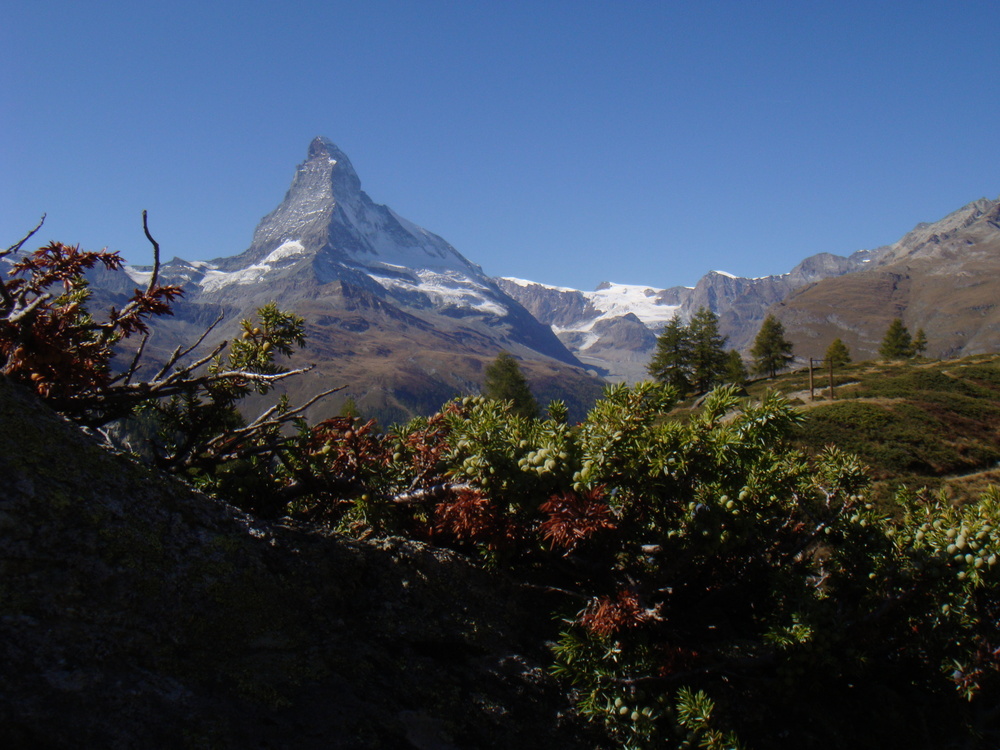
<point x="468" y="516"/>
<point x="573" y="518"/>
<point x="608" y="615"/>
<point x="47" y="338"/>
<point x="345" y="448"/>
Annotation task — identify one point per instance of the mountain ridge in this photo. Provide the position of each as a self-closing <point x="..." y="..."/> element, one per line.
<point x="328" y="251"/>
<point x="600" y="333"/>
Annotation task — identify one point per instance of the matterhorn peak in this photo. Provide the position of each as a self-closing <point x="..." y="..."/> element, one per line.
<point x="323" y="146"/>
<point x="342" y="175"/>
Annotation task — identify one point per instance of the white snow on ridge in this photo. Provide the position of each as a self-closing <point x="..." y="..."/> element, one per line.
<point x="139" y="277"/>
<point x="288" y="249"/>
<point x="445" y="288"/>
<point x="613" y="301"/>
<point x="213" y="281"/>
<point x="526" y="283"/>
<point x="616" y="300"/>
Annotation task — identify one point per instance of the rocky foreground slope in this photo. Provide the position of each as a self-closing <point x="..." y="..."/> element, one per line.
<point x="135" y="612"/>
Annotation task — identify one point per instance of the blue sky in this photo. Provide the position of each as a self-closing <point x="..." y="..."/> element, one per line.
<point x="637" y="141"/>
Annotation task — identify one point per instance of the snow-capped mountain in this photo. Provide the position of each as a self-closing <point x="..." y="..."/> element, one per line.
<point x="614" y="328"/>
<point x="330" y="229"/>
<point x="392" y="309"/>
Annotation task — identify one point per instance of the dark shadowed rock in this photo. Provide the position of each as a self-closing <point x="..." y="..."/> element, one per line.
<point x="135" y="612"/>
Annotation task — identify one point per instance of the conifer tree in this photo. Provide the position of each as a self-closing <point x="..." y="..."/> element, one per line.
<point x="837" y="354"/>
<point x="736" y="369"/>
<point x="919" y="343"/>
<point x="349" y="408"/>
<point x="771" y="350"/>
<point x="897" y="343"/>
<point x="708" y="356"/>
<point x="505" y="382"/>
<point x="671" y="363"/>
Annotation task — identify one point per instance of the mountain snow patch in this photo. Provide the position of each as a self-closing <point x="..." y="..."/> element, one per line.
<point x="288" y="249"/>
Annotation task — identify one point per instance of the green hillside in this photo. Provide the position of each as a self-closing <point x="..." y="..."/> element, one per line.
<point x="933" y="424"/>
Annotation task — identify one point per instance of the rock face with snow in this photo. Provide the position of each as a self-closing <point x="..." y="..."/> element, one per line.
<point x="614" y="328"/>
<point x="393" y="311"/>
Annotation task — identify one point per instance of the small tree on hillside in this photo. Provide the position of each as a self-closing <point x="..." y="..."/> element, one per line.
<point x="919" y="343"/>
<point x="349" y="408"/>
<point x="837" y="354"/>
<point x="897" y="343"/>
<point x="736" y="369"/>
<point x="671" y="363"/>
<point x="771" y="350"/>
<point x="505" y="382"/>
<point x="708" y="356"/>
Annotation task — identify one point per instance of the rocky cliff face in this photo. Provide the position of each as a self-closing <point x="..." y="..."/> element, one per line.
<point x="135" y="612"/>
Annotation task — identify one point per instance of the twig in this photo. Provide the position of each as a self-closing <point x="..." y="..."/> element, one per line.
<point x="17" y="245"/>
<point x="8" y="301"/>
<point x="427" y="494"/>
<point x="178" y="352"/>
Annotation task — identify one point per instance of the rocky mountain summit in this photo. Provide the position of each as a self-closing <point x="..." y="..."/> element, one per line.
<point x="136" y="612"/>
<point x="393" y="311"/>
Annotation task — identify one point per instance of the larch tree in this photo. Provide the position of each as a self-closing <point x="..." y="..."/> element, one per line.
<point x="736" y="369"/>
<point x="708" y="355"/>
<point x="505" y="382"/>
<point x="771" y="350"/>
<point x="897" y="342"/>
<point x="837" y="354"/>
<point x="671" y="363"/>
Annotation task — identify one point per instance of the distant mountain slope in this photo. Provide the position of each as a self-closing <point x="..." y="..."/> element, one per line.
<point x="943" y="277"/>
<point x="393" y="311"/>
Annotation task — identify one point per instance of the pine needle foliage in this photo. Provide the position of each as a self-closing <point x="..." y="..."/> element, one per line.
<point x="837" y="354"/>
<point x="771" y="351"/>
<point x="897" y="342"/>
<point x="504" y="381"/>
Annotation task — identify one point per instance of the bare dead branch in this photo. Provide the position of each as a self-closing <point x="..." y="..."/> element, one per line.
<point x="17" y="245"/>
<point x="127" y="375"/>
<point x="428" y="494"/>
<point x="8" y="300"/>
<point x="25" y="311"/>
<point x="156" y="255"/>
<point x="264" y="421"/>
<point x="179" y="352"/>
<point x="188" y="369"/>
